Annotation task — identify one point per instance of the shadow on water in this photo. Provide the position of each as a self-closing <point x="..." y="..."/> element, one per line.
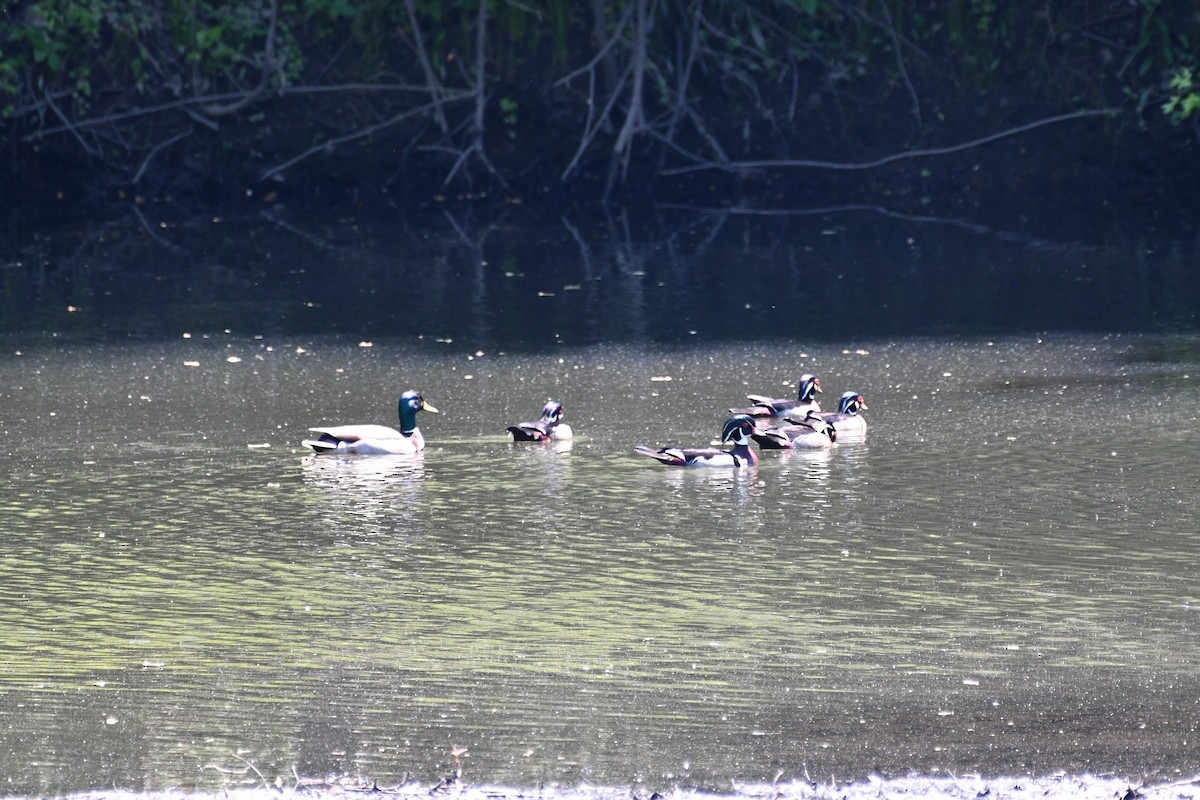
<point x="517" y="283"/>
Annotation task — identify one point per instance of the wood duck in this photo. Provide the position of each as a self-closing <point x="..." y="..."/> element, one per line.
<point x="738" y="429"/>
<point x="806" y="400"/>
<point x="846" y="420"/>
<point x="377" y="439"/>
<point x="813" y="433"/>
<point x="550" y="428"/>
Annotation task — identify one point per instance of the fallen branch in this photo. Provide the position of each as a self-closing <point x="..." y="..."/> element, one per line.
<point x="740" y="166"/>
<point x="202" y="101"/>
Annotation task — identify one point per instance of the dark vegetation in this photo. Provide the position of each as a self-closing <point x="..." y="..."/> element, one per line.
<point x="704" y="102"/>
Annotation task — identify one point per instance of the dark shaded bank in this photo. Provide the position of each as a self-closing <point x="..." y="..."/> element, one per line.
<point x="967" y="787"/>
<point x="614" y="103"/>
<point x="1047" y="179"/>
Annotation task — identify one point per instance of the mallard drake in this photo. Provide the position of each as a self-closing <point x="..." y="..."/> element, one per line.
<point x="549" y="428"/>
<point x="738" y="429"/>
<point x="813" y="433"/>
<point x="846" y="419"/>
<point x="377" y="439"/>
<point x="806" y="400"/>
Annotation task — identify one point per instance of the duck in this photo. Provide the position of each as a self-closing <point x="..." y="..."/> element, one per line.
<point x="813" y="433"/>
<point x="806" y="400"/>
<point x="550" y="428"/>
<point x="377" y="439"/>
<point x="738" y="429"/>
<point x="846" y="420"/>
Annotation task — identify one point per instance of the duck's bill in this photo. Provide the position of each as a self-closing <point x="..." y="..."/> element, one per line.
<point x="426" y="407"/>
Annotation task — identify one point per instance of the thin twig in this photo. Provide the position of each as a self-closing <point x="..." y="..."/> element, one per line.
<point x="67" y="125"/>
<point x="635" y="119"/>
<point x="685" y="74"/>
<point x="480" y="57"/>
<point x="261" y="777"/>
<point x="596" y="59"/>
<point x="912" y="92"/>
<point x="158" y="148"/>
<point x="589" y="134"/>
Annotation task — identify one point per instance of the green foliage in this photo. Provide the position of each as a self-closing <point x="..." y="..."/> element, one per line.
<point x="1183" y="95"/>
<point x="508" y="112"/>
<point x="1166" y="46"/>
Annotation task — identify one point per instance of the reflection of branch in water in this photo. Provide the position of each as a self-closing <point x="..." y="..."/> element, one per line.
<point x="479" y="295"/>
<point x="721" y="216"/>
<point x="974" y="227"/>
<point x="145" y="223"/>
<point x="315" y="241"/>
<point x="462" y="234"/>
<point x="590" y="284"/>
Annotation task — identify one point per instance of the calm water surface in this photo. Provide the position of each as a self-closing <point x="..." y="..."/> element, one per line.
<point x="1000" y="578"/>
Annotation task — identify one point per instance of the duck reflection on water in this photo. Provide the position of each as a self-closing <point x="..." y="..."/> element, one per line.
<point x="379" y="488"/>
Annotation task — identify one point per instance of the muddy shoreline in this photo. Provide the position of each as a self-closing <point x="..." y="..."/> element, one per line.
<point x="965" y="787"/>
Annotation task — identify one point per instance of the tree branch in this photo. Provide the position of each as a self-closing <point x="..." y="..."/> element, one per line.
<point x="589" y="133"/>
<point x="635" y="116"/>
<point x="398" y="118"/>
<point x="418" y="45"/>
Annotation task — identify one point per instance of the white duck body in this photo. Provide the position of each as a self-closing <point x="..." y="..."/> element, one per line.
<point x="846" y="420"/>
<point x="366" y="440"/>
<point x="814" y="433"/>
<point x="376" y="439"/>
<point x="806" y="400"/>
<point x="738" y="430"/>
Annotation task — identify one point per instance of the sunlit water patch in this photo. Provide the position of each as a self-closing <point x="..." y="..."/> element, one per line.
<point x="997" y="577"/>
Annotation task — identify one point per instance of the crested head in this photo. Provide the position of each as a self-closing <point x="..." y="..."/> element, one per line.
<point x="410" y="403"/>
<point x="552" y="411"/>
<point x="738" y="429"/>
<point x="851" y="403"/>
<point x="810" y="387"/>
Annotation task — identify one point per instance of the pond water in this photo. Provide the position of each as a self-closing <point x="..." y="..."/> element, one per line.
<point x="998" y="578"/>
